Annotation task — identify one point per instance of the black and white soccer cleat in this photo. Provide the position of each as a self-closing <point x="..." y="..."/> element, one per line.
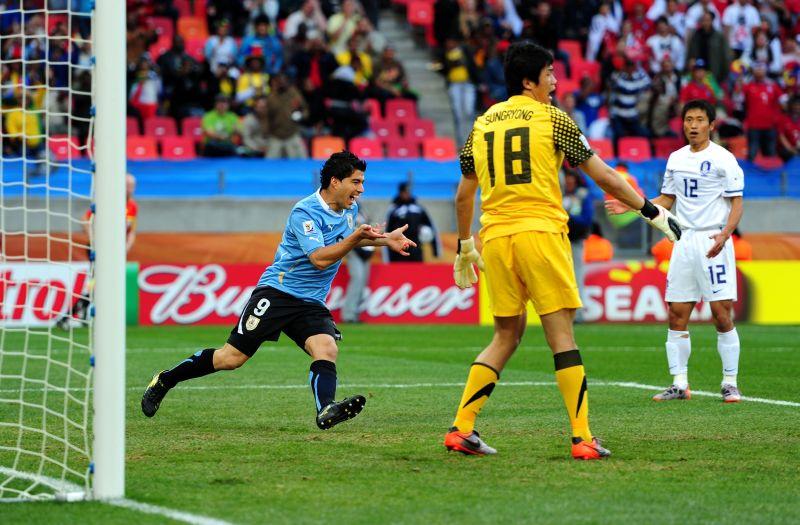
<point x="338" y="411"/>
<point x="153" y="395"/>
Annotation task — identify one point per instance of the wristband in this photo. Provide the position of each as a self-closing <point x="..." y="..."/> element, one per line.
<point x="649" y="210"/>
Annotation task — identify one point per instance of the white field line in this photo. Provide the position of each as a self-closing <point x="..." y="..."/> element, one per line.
<point x="177" y="515"/>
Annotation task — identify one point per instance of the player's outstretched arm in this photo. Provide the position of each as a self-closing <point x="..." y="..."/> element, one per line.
<point x="323" y="257"/>
<point x="395" y="240"/>
<point x="612" y="182"/>
<point x="615" y="207"/>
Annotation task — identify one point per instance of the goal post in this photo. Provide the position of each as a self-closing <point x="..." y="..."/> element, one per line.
<point x="109" y="242"/>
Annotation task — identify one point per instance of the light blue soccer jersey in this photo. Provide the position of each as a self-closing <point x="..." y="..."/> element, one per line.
<point x="312" y="224"/>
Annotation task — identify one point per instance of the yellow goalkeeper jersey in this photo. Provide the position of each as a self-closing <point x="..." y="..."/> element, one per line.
<point x="516" y="149"/>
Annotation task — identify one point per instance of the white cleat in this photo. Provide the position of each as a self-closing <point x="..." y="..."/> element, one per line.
<point x="731" y="394"/>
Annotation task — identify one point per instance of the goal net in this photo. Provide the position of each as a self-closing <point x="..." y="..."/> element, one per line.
<point x="47" y="328"/>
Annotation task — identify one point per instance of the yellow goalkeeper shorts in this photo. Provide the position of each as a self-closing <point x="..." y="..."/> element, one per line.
<point x="530" y="265"/>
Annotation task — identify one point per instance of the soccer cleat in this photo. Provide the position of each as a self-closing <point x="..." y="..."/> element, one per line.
<point x="588" y="449"/>
<point x="153" y="395"/>
<point x="336" y="412"/>
<point x="731" y="394"/>
<point x="469" y="444"/>
<point x="673" y="392"/>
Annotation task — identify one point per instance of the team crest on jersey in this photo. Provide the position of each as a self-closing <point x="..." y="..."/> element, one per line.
<point x="705" y="167"/>
<point x="252" y="322"/>
<point x="308" y="227"/>
<point x="350" y="221"/>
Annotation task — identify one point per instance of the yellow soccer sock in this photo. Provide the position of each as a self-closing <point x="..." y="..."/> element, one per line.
<point x="480" y="383"/>
<point x="571" y="379"/>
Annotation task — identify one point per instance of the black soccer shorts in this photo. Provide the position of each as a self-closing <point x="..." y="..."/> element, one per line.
<point x="270" y="312"/>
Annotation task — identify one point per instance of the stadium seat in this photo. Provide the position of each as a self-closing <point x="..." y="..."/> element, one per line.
<point x="160" y="47"/>
<point x="192" y="127"/>
<point x="183" y="7"/>
<point x="401" y="109"/>
<point x="768" y="163"/>
<point x="633" y="149"/>
<point x="603" y="147"/>
<point x="560" y="70"/>
<point x="160" y="127"/>
<point x="324" y="146"/>
<point x="190" y="27"/>
<point x="200" y="8"/>
<point x="439" y="148"/>
<point x="386" y="129"/>
<point x="195" y="48"/>
<point x="581" y="68"/>
<point x="420" y="129"/>
<point x="374" y="107"/>
<point x="141" y="148"/>
<point x="738" y="146"/>
<point x="177" y="148"/>
<point x="368" y="149"/>
<point x="399" y="148"/>
<point x="132" y="126"/>
<point x="566" y="86"/>
<point x="664" y="146"/>
<point x="676" y="125"/>
<point x="64" y="146"/>
<point x="572" y="48"/>
<point x="420" y="13"/>
<point x="54" y="20"/>
<point x="163" y="26"/>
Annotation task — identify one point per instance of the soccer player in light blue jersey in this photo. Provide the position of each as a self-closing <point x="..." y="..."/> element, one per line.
<point x="290" y="295"/>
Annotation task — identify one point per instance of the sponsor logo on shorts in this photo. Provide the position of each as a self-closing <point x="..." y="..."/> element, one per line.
<point x="308" y="227"/>
<point x="252" y="323"/>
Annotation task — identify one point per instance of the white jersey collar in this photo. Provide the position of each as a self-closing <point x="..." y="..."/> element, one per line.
<point x="326" y="207"/>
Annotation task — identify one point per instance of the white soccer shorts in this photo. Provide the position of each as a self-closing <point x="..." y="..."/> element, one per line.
<point x="692" y="276"/>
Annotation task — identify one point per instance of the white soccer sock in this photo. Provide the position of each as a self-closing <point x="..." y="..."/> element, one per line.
<point x="679" y="348"/>
<point x="728" y="348"/>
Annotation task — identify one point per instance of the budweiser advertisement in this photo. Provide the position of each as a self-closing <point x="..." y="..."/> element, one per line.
<point x="217" y="293"/>
<point x="35" y="294"/>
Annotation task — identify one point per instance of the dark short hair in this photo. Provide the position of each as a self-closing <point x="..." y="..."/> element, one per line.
<point x="703" y="105"/>
<point x="525" y="60"/>
<point x="340" y="166"/>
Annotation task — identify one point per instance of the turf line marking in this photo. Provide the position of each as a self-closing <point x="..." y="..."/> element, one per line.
<point x="177" y="515"/>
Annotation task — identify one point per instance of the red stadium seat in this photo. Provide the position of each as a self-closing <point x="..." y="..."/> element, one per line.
<point x="603" y="147"/>
<point x="738" y="146"/>
<point x="572" y="48"/>
<point x="195" y="48"/>
<point x="399" y="148"/>
<point x="142" y="148"/>
<point x="177" y="148"/>
<point x="64" y="147"/>
<point x="420" y="129"/>
<point x="676" y="125"/>
<point x="582" y="69"/>
<point x="160" y="127"/>
<point x="163" y="26"/>
<point x="161" y="46"/>
<point x="190" y="27"/>
<point x="374" y="108"/>
<point x="420" y="13"/>
<point x="633" y="149"/>
<point x="324" y="146"/>
<point x="768" y="163"/>
<point x="132" y="126"/>
<point x="439" y="148"/>
<point x="192" y="127"/>
<point x="566" y="86"/>
<point x="54" y="20"/>
<point x="664" y="146"/>
<point x="401" y="109"/>
<point x="368" y="149"/>
<point x="560" y="71"/>
<point x="183" y="7"/>
<point x="386" y="129"/>
<point x="200" y="8"/>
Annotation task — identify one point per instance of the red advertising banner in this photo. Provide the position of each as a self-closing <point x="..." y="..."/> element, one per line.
<point x="35" y="294"/>
<point x="217" y="293"/>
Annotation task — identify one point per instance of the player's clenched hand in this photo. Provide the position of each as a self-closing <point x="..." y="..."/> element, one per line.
<point x="398" y="242"/>
<point x="365" y="231"/>
<point x="463" y="272"/>
<point x="615" y="207"/>
<point x="666" y="222"/>
<point x="719" y="242"/>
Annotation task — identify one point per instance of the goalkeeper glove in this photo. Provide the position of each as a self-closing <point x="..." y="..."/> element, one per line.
<point x="661" y="219"/>
<point x="463" y="272"/>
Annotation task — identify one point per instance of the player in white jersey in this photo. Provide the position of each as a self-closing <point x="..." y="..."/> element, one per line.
<point x="705" y="183"/>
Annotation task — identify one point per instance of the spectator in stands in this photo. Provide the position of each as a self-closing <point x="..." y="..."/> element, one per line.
<point x="762" y="109"/>
<point x="665" y="44"/>
<point x="360" y="61"/>
<point x="345" y="114"/>
<point x="710" y="45"/>
<point x="252" y="82"/>
<point x="669" y="9"/>
<point x="789" y="131"/>
<point x="739" y="21"/>
<point x="576" y="25"/>
<point x="138" y="38"/>
<point x="390" y="79"/>
<point x="313" y="65"/>
<point x="764" y="51"/>
<point x="445" y="20"/>
<point x="406" y="210"/>
<point x="220" y="129"/>
<point x="310" y="16"/>
<point x="568" y="105"/>
<point x="579" y="205"/>
<point x="469" y="19"/>
<point x="589" y="101"/>
<point x="694" y="16"/>
<point x="24" y="135"/>
<point x="663" y="104"/>
<point x="461" y="76"/>
<point x="255" y="129"/>
<point x="268" y="8"/>
<point x="697" y="87"/>
<point x="597" y="248"/>
<point x="492" y="75"/>
<point x="343" y="24"/>
<point x="545" y="32"/>
<point x="220" y="48"/>
<point x="145" y="91"/>
<point x="232" y="11"/>
<point x="265" y="44"/>
<point x="627" y="88"/>
<point x="223" y="82"/>
<point x="286" y="109"/>
<point x="742" y="248"/>
<point x="180" y="79"/>
<point x="602" y="23"/>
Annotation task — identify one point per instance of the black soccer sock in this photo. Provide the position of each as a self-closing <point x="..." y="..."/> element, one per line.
<point x="199" y="364"/>
<point x="323" y="382"/>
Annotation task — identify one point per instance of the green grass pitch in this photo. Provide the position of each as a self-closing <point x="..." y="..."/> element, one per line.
<point x="242" y="446"/>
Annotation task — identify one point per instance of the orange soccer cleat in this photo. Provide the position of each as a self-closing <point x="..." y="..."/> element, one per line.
<point x="588" y="449"/>
<point x="467" y="443"/>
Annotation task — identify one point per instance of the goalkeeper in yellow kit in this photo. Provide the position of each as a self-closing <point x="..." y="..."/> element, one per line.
<point x="514" y="154"/>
